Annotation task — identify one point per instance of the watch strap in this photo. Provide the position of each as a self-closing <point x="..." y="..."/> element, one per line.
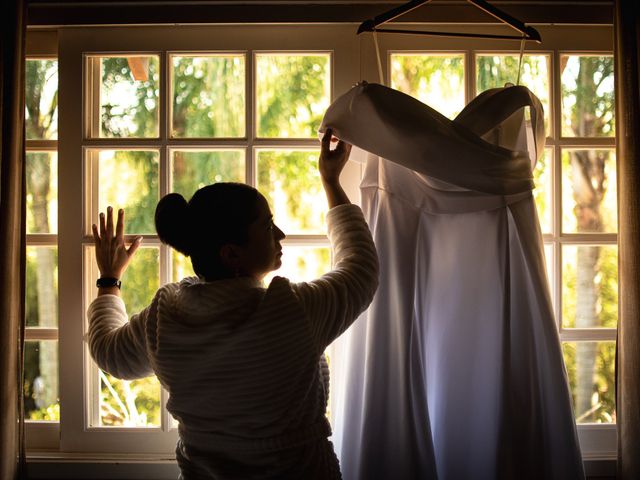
<point x="104" y="282"/>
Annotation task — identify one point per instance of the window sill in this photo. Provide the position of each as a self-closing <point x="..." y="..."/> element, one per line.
<point x="70" y="466"/>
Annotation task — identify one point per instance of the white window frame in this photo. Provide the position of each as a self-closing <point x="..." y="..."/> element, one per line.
<point x="353" y="59"/>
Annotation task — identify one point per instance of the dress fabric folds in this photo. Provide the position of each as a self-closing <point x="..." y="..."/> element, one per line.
<point x="455" y="372"/>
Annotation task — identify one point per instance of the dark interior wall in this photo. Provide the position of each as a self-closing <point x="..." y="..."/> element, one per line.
<point x="117" y="12"/>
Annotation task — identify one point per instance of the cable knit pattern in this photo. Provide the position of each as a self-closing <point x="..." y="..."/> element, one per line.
<point x="241" y="362"/>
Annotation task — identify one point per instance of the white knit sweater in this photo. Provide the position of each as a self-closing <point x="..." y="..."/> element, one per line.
<point x="240" y="361"/>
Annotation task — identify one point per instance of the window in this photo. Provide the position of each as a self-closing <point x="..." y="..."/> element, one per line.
<point x="152" y="110"/>
<point x="41" y="386"/>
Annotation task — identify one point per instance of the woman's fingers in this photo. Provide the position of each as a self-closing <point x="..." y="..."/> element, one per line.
<point x="134" y="246"/>
<point x="96" y="235"/>
<point x="110" y="222"/>
<point x="326" y="140"/>
<point x="120" y="224"/>
<point x="103" y="227"/>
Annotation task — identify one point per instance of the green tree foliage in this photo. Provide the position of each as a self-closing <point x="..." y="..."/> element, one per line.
<point x="437" y="81"/>
<point x="291" y="183"/>
<point x="292" y="94"/>
<point x="208" y="96"/>
<point x="129" y="105"/>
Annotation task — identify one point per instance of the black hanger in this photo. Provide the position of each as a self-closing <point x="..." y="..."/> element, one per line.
<point x="528" y="33"/>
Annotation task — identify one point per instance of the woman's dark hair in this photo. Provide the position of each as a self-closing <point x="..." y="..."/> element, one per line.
<point x="216" y="215"/>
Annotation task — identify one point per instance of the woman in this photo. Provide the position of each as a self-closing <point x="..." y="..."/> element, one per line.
<point x="242" y="363"/>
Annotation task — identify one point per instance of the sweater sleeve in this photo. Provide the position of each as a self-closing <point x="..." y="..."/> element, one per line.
<point x="334" y="301"/>
<point x="119" y="346"/>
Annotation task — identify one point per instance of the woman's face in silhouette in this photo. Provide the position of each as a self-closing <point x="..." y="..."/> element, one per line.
<point x="262" y="252"/>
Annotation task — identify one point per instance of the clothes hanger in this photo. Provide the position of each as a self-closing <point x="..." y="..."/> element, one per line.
<point x="527" y="32"/>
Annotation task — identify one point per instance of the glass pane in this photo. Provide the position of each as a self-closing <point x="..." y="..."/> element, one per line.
<point x="193" y="169"/>
<point x="494" y="71"/>
<point x="588" y="105"/>
<point x="589" y="286"/>
<point x="180" y="266"/>
<point x="129" y="91"/>
<point x="291" y="183"/>
<point x="591" y="370"/>
<point x="41" y="99"/>
<point x="544" y="188"/>
<point x="42" y="192"/>
<point x="208" y="96"/>
<point x="589" y="198"/>
<point x="129" y="179"/>
<point x="302" y="264"/>
<point x="132" y="403"/>
<point x="129" y="403"/>
<point x="42" y="287"/>
<point x="141" y="279"/>
<point x="437" y="80"/>
<point x="292" y="94"/>
<point x="41" y="400"/>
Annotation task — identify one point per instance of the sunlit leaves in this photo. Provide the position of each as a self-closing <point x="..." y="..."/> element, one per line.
<point x="596" y="403"/>
<point x="437" y="80"/>
<point x="290" y="181"/>
<point x="129" y="179"/>
<point x="194" y="169"/>
<point x="40" y="389"/>
<point x="129" y="96"/>
<point x="292" y="94"/>
<point x="208" y="95"/>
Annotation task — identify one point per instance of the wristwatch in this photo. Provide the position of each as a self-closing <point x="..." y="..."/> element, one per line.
<point x="103" y="282"/>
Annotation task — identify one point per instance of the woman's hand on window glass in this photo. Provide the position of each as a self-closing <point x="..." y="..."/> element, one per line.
<point x="112" y="255"/>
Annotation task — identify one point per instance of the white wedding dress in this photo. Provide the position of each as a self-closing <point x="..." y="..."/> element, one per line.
<point x="456" y="371"/>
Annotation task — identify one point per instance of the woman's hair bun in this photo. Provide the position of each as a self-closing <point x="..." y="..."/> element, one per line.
<point x="173" y="222"/>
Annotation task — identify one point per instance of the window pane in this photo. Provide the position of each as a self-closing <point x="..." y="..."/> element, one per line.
<point x="494" y="71"/>
<point x="589" y="198"/>
<point x="141" y="279"/>
<point x="42" y="287"/>
<point x="292" y="94"/>
<point x="41" y="400"/>
<point x="589" y="286"/>
<point x="208" y="96"/>
<point x="42" y="192"/>
<point x="437" y="80"/>
<point x="129" y="403"/>
<point x="591" y="370"/>
<point x="129" y="91"/>
<point x="302" y="264"/>
<point x="290" y="181"/>
<point x="129" y="179"/>
<point x="132" y="403"/>
<point x="41" y="99"/>
<point x="587" y="96"/>
<point x="193" y="169"/>
<point x="180" y="266"/>
<point x="544" y="188"/>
